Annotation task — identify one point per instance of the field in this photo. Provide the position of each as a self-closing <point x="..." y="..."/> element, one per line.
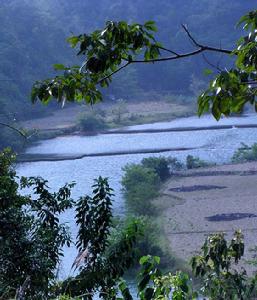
<point x="136" y="113"/>
<point x="198" y="202"/>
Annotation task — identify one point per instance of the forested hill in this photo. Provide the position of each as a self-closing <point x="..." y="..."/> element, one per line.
<point x="33" y="37"/>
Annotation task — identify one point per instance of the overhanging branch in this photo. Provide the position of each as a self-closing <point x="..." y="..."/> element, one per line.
<point x="20" y="132"/>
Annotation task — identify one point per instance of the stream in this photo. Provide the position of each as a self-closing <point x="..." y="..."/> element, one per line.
<point x="216" y="145"/>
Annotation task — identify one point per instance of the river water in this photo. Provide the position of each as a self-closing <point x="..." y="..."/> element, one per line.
<point x="211" y="145"/>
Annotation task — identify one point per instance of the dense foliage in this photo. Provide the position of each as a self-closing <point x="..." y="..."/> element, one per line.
<point x="91" y="122"/>
<point x="31" y="234"/>
<point x="32" y="238"/>
<point x="245" y="153"/>
<point x="195" y="162"/>
<point x="119" y="44"/>
<point x="141" y="182"/>
<point x="52" y="21"/>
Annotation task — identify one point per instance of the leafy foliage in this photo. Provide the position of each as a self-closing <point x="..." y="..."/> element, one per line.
<point x="162" y="166"/>
<point x="232" y="89"/>
<point x="245" y="153"/>
<point x="141" y="181"/>
<point x="195" y="162"/>
<point x="91" y="122"/>
<point x="104" y="51"/>
<point x="140" y="185"/>
<point x="31" y="235"/>
<point x="32" y="238"/>
<point x="119" y="44"/>
<point x="215" y="266"/>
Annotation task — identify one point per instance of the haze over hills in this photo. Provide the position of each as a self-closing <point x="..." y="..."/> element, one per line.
<point x="34" y="32"/>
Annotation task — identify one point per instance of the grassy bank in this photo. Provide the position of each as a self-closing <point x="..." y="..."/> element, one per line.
<point x="141" y="187"/>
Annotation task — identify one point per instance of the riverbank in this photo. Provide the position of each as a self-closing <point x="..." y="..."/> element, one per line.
<point x="196" y="203"/>
<point x="64" y="121"/>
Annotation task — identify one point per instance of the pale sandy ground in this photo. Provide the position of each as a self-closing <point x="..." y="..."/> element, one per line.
<point x="67" y="117"/>
<point x="185" y="213"/>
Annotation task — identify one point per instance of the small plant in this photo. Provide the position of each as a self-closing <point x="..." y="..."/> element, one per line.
<point x="162" y="166"/>
<point x="120" y="108"/>
<point x="140" y="186"/>
<point x="195" y="162"/>
<point x="245" y="153"/>
<point x="91" y="122"/>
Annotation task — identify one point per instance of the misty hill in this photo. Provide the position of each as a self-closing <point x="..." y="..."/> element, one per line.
<point x="33" y="37"/>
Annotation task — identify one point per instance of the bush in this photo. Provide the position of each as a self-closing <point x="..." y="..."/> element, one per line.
<point x="162" y="165"/>
<point x="91" y="122"/>
<point x="245" y="153"/>
<point x="32" y="239"/>
<point x="159" y="164"/>
<point x="195" y="162"/>
<point x="140" y="185"/>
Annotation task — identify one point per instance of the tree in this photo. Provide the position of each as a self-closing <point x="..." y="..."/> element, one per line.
<point x="106" y="53"/>
<point x="30" y="232"/>
<point x="32" y="239"/>
<point x="119" y="45"/>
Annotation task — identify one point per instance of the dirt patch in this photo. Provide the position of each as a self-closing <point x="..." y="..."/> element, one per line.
<point x="194" y="188"/>
<point x="229" y="217"/>
<point x="66" y="117"/>
<point x="210" y="210"/>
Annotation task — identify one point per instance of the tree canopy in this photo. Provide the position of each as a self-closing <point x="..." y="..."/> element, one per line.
<point x="119" y="44"/>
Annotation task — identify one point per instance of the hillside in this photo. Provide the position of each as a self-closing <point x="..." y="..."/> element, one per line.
<point x="33" y="38"/>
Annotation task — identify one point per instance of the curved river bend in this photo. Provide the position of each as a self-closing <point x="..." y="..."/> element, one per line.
<point x="212" y="145"/>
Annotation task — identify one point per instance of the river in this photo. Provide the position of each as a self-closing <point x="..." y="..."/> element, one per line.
<point x="216" y="145"/>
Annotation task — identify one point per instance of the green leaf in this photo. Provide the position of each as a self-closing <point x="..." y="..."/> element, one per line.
<point x="208" y="72"/>
<point x="73" y="41"/>
<point x="59" y="67"/>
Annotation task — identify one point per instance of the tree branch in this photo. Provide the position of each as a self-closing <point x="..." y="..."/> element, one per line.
<point x="177" y="56"/>
<point x="114" y="72"/>
<point x="202" y="46"/>
<point x="24" y="135"/>
<point x="168" y="50"/>
<point x="211" y="64"/>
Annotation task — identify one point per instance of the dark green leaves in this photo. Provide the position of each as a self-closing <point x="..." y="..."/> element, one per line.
<point x="59" y="67"/>
<point x="105" y="51"/>
<point x="215" y="266"/>
<point x="226" y="94"/>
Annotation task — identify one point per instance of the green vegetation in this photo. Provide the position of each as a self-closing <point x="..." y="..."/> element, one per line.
<point x="91" y="122"/>
<point x="32" y="238"/>
<point x="140" y="187"/>
<point x="119" y="45"/>
<point x="53" y="21"/>
<point x="31" y="234"/>
<point x="245" y="153"/>
<point x="195" y="162"/>
<point x="141" y="182"/>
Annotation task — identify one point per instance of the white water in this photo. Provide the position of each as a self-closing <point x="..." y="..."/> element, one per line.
<point x="212" y="145"/>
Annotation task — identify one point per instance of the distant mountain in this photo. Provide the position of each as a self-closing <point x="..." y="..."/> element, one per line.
<point x="33" y="37"/>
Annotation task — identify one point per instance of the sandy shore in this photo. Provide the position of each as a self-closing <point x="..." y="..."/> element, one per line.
<point x="202" y="201"/>
<point x="65" y="118"/>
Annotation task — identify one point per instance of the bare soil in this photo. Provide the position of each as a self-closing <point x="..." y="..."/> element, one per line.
<point x="191" y="211"/>
<point x="66" y="117"/>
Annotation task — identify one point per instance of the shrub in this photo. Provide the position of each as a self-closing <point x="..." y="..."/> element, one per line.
<point x="245" y="153"/>
<point x="91" y="122"/>
<point x="159" y="164"/>
<point x="140" y="187"/>
<point x="162" y="166"/>
<point x="195" y="162"/>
